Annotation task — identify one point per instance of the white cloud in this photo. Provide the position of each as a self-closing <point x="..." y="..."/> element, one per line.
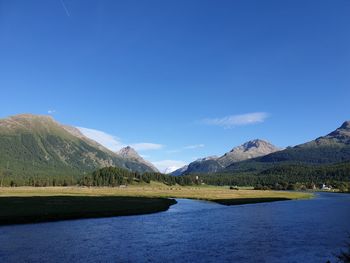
<point x="168" y="166"/>
<point x="188" y="147"/>
<point x="109" y="141"/>
<point x="173" y="151"/>
<point x="146" y="146"/>
<point x="114" y="143"/>
<point x="51" y="111"/>
<point x="195" y="146"/>
<point x="237" y="120"/>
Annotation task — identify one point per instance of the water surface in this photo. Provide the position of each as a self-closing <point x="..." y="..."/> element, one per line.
<point x="191" y="231"/>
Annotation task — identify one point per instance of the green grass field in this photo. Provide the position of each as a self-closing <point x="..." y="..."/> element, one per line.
<point x="37" y="204"/>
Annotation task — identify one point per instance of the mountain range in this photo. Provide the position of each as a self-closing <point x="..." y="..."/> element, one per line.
<point x="258" y="155"/>
<point x="212" y="164"/>
<point x="35" y="144"/>
<point x="331" y="148"/>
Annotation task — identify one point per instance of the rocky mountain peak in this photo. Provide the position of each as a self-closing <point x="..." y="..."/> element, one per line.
<point x="248" y="150"/>
<point x="128" y="152"/>
<point x="342" y="134"/>
<point x="345" y="125"/>
<point x="213" y="157"/>
<point x="256" y="144"/>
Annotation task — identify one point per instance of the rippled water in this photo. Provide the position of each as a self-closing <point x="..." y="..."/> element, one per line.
<point x="191" y="231"/>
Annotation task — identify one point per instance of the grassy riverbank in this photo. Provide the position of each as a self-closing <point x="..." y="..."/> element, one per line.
<point x="36" y="204"/>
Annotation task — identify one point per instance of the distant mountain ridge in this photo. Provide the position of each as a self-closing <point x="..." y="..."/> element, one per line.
<point x="258" y="155"/>
<point x="38" y="145"/>
<point x="340" y="135"/>
<point x="248" y="150"/>
<point x="212" y="164"/>
<point x="179" y="171"/>
<point x="331" y="148"/>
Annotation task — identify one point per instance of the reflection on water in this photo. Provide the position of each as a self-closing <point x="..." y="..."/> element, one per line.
<point x="191" y="231"/>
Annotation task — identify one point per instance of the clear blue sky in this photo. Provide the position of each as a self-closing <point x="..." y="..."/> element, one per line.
<point x="177" y="73"/>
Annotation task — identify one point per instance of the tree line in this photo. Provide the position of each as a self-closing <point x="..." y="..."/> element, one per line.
<point x="286" y="177"/>
<point x="281" y="177"/>
<point x="114" y="176"/>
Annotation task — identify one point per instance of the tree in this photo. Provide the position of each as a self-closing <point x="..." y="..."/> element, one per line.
<point x="6" y="173"/>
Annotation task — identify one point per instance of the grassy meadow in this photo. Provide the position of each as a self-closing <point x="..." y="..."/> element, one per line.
<point x="37" y="204"/>
<point x="155" y="190"/>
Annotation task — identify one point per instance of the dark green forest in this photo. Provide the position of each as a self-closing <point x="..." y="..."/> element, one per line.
<point x="114" y="176"/>
<point x="108" y="176"/>
<point x="286" y="177"/>
<point x="280" y="177"/>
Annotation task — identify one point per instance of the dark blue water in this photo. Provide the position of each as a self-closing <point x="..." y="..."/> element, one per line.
<point x="191" y="231"/>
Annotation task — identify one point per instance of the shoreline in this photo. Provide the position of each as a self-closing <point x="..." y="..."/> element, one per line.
<point x="40" y="209"/>
<point x="245" y="201"/>
<point x="165" y="204"/>
<point x="47" y="204"/>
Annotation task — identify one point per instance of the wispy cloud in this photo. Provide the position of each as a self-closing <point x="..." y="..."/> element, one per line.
<point x="188" y="147"/>
<point x="114" y="143"/>
<point x="146" y="146"/>
<point x="107" y="140"/>
<point x="195" y="146"/>
<point x="51" y="111"/>
<point x="173" y="151"/>
<point x="237" y="120"/>
<point x="65" y="8"/>
<point x="168" y="166"/>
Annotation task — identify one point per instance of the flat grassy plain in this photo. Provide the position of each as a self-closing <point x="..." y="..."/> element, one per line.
<point x="37" y="204"/>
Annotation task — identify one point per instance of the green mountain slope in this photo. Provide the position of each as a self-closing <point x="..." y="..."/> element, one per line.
<point x="332" y="148"/>
<point x="32" y="145"/>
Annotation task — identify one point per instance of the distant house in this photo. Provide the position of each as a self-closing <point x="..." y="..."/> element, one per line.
<point x="326" y="188"/>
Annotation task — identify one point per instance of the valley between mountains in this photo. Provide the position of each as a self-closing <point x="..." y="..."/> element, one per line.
<point x="36" y="150"/>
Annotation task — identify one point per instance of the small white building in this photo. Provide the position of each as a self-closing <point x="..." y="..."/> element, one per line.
<point x="325" y="187"/>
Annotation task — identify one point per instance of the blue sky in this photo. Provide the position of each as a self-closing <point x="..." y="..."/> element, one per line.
<point x="179" y="80"/>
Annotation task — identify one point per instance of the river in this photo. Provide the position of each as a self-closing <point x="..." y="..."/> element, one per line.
<point x="191" y="231"/>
